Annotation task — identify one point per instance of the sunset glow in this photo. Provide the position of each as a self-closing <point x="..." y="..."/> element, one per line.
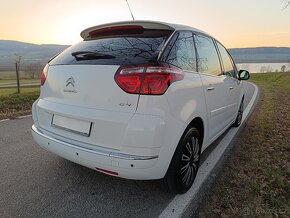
<point x="240" y="23"/>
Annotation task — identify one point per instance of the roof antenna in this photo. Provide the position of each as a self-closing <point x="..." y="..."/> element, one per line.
<point x="130" y="10"/>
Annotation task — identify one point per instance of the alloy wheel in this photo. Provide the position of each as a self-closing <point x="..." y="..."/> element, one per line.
<point x="189" y="161"/>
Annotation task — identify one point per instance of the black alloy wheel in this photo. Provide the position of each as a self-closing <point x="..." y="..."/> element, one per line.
<point x="185" y="162"/>
<point x="189" y="162"/>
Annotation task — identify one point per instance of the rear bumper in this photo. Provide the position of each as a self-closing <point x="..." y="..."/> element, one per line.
<point x="121" y="164"/>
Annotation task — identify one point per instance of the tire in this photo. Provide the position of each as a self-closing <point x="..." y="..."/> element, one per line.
<point x="185" y="162"/>
<point x="239" y="115"/>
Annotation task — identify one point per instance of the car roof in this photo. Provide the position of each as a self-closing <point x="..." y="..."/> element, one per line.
<point x="145" y="24"/>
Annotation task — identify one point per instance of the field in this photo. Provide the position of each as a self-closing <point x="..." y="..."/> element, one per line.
<point x="22" y="81"/>
<point x="12" y="104"/>
<point x="9" y="79"/>
<point x="256" y="180"/>
<point x="11" y="75"/>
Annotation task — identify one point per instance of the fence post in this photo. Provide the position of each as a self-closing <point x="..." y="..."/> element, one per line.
<point x="17" y="65"/>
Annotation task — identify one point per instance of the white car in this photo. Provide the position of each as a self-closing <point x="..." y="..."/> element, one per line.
<point x="139" y="100"/>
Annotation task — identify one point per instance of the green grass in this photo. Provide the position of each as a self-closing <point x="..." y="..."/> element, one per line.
<point x="7" y="75"/>
<point x="17" y="102"/>
<point x="277" y="80"/>
<point x="22" y="81"/>
<point x="12" y="104"/>
<point x="12" y="91"/>
<point x="11" y="75"/>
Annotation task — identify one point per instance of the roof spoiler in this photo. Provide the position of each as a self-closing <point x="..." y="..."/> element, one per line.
<point x="125" y="25"/>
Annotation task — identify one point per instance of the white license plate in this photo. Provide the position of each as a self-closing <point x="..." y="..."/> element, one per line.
<point x="72" y="125"/>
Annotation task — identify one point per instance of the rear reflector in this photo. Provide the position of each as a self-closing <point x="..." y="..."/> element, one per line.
<point x="107" y="171"/>
<point x="147" y="80"/>
<point x="44" y="75"/>
<point x="117" y="30"/>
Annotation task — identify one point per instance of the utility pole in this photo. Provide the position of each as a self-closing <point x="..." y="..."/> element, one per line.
<point x="17" y="66"/>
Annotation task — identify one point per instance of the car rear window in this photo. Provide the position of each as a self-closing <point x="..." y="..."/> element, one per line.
<point x="115" y="50"/>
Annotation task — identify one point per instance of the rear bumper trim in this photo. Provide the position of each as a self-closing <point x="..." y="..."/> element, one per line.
<point x="112" y="154"/>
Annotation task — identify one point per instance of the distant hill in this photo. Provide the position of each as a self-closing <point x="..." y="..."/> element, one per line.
<point x="40" y="54"/>
<point x="261" y="55"/>
<point x="30" y="53"/>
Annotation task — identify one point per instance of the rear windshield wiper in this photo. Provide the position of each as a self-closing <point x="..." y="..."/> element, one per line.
<point x="90" y="55"/>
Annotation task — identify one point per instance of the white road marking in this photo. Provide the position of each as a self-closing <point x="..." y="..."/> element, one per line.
<point x="20" y="117"/>
<point x="180" y="203"/>
<point x="4" y="120"/>
<point x="30" y="115"/>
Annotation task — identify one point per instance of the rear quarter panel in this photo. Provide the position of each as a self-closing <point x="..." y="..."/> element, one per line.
<point x="186" y="101"/>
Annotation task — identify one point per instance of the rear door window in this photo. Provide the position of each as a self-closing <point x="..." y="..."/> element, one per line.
<point x="115" y="50"/>
<point x="207" y="56"/>
<point x="181" y="53"/>
<point x="229" y="69"/>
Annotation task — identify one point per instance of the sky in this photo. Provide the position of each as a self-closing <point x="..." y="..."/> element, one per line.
<point x="236" y="23"/>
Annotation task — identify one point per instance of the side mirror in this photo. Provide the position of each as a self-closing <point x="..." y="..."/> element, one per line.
<point x="244" y="75"/>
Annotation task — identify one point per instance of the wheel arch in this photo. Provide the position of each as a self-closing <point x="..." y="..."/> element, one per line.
<point x="198" y="123"/>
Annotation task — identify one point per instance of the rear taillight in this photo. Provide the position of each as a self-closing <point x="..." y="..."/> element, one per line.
<point x="44" y="74"/>
<point x="147" y="80"/>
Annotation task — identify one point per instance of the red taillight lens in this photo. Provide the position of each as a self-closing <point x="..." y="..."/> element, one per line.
<point x="129" y="83"/>
<point x="44" y="75"/>
<point x="146" y="80"/>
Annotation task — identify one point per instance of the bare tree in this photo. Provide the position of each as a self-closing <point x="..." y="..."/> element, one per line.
<point x="17" y="67"/>
<point x="263" y="69"/>
<point x="33" y="70"/>
<point x="283" y="68"/>
<point x="286" y="3"/>
<point x="269" y="69"/>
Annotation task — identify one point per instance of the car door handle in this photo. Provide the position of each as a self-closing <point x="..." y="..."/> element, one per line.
<point x="210" y="88"/>
<point x="231" y="87"/>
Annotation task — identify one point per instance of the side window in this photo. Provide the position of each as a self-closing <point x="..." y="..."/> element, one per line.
<point x="229" y="69"/>
<point x="182" y="52"/>
<point x="207" y="56"/>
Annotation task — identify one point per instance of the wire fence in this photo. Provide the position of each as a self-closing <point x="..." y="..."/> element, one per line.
<point x="29" y="72"/>
<point x="28" y="68"/>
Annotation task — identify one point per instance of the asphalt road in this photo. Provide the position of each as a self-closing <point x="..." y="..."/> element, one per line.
<point x="37" y="183"/>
